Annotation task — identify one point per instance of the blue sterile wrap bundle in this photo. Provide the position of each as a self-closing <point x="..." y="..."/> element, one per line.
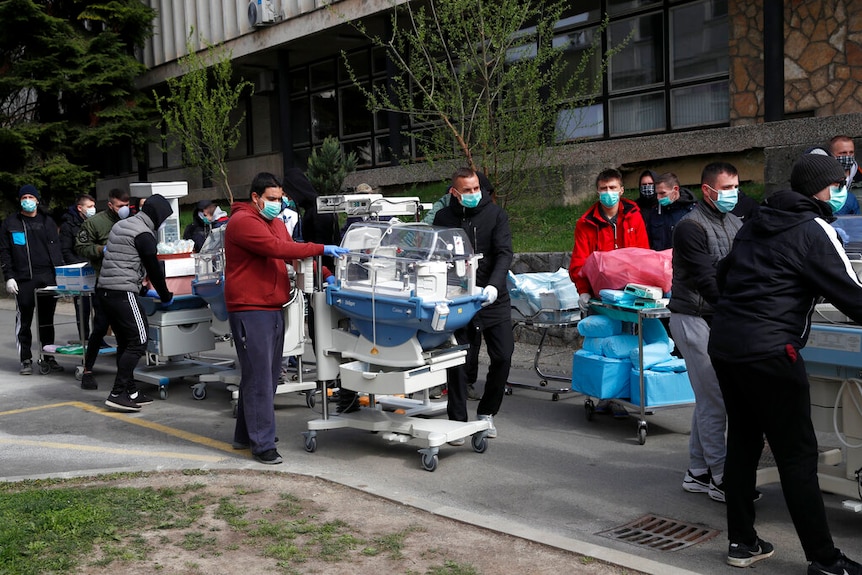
<point x="619" y="346"/>
<point x="599" y="326"/>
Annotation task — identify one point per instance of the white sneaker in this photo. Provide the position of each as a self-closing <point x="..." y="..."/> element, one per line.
<point x="492" y="431"/>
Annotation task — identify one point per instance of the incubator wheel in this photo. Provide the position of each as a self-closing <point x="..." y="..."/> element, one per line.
<point x="309" y="399"/>
<point x="429" y="462"/>
<point x="543" y="383"/>
<point x="199" y="391"/>
<point x="642" y="434"/>
<point x="311" y="444"/>
<point x="555" y="397"/>
<point x="79" y="372"/>
<point x="590" y="409"/>
<point x="44" y="367"/>
<point x="480" y="442"/>
<point x="163" y="393"/>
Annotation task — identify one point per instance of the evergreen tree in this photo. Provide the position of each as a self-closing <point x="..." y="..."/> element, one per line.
<point x="328" y="166"/>
<point x="67" y="91"/>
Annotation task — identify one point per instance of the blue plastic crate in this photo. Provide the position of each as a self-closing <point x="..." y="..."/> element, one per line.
<point x="661" y="388"/>
<point x="599" y="376"/>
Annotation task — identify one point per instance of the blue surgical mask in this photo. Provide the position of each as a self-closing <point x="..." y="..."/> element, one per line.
<point x="726" y="200"/>
<point x="665" y="201"/>
<point x="837" y="197"/>
<point x="270" y="209"/>
<point x="288" y="204"/>
<point x="471" y="200"/>
<point x="203" y="218"/>
<point x="123" y="212"/>
<point x="28" y="206"/>
<point x="609" y="199"/>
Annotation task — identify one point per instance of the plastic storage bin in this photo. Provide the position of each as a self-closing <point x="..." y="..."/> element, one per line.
<point x="599" y="376"/>
<point x="661" y="388"/>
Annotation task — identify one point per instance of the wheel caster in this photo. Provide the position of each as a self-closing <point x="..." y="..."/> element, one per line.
<point x="642" y="431"/>
<point x="543" y="383"/>
<point x="309" y="399"/>
<point x="509" y="390"/>
<point x="199" y="391"/>
<point x="44" y="367"/>
<point x="555" y="397"/>
<point x="429" y="461"/>
<point x="79" y="372"/>
<point x="163" y="393"/>
<point x="311" y="443"/>
<point x="479" y="442"/>
<point x="590" y="409"/>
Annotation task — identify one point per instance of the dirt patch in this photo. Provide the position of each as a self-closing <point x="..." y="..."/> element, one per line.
<point x="263" y="522"/>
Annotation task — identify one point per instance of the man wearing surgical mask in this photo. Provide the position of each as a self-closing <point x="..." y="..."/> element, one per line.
<point x="486" y="224"/>
<point x="83" y="208"/>
<point x="700" y="240"/>
<point x="611" y="223"/>
<point x="843" y="149"/>
<point x="29" y="251"/>
<point x="257" y="286"/>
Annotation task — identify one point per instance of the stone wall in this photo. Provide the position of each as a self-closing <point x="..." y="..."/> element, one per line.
<point x="822" y="59"/>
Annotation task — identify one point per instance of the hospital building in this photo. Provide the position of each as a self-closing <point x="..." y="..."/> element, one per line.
<point x="753" y="82"/>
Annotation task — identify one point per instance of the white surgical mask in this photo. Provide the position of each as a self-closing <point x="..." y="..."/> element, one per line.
<point x="123" y="212"/>
<point x="90" y="212"/>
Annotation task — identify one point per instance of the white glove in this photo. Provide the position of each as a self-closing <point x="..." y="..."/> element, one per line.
<point x="489" y="292"/>
<point x="12" y="287"/>
<point x="584" y="303"/>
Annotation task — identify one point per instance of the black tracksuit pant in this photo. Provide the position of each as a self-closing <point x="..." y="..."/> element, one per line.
<point x="132" y="331"/>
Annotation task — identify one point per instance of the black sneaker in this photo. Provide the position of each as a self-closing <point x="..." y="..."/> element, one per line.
<point x="122" y="402"/>
<point x="696" y="483"/>
<point x="53" y="365"/>
<point x="26" y="367"/>
<point x="742" y="555"/>
<point x="140" y="398"/>
<point x="269" y="457"/>
<point x="842" y="566"/>
<point x="88" y="381"/>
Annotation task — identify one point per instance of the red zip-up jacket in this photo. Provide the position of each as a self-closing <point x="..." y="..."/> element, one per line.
<point x="255" y="253"/>
<point x="593" y="233"/>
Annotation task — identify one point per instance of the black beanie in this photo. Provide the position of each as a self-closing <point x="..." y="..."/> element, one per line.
<point x="29" y="189"/>
<point x="813" y="172"/>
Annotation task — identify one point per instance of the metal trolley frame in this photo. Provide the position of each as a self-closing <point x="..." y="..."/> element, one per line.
<point x="545" y="319"/>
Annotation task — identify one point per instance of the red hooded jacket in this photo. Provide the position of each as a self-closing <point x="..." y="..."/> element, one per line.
<point x="593" y="233"/>
<point x="255" y="253"/>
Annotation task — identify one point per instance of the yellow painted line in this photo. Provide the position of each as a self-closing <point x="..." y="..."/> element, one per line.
<point x="116" y="450"/>
<point x="172" y="431"/>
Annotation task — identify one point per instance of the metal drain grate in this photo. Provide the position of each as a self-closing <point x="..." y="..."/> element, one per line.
<point x="660" y="533"/>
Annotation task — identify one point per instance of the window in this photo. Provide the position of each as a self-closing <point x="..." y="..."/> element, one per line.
<point x="699" y="40"/>
<point x="637" y="114"/>
<point x="641" y="62"/>
<point x="700" y="104"/>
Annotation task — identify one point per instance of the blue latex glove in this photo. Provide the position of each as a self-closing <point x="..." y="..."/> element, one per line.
<point x="152" y="293"/>
<point x="335" y="251"/>
<point x="842" y="234"/>
<point x="167" y="303"/>
<point x="330" y="280"/>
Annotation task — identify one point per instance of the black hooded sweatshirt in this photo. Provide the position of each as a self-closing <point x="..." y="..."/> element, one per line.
<point x="782" y="260"/>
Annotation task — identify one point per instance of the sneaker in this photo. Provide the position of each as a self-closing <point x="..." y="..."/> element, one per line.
<point x="269" y="457"/>
<point x="88" y="381"/>
<point x="741" y="555"/>
<point x="492" y="431"/>
<point x="122" y="402"/>
<point x="716" y="492"/>
<point x="26" y="367"/>
<point x="696" y="483"/>
<point x="140" y="398"/>
<point x="435" y="392"/>
<point x="53" y="365"/>
<point x="457" y="442"/>
<point x="841" y="566"/>
<point x="472" y="394"/>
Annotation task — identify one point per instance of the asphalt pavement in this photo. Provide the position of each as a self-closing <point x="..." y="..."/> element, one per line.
<point x="551" y="476"/>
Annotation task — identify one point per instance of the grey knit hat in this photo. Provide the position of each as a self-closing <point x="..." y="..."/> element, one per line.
<point x="811" y="173"/>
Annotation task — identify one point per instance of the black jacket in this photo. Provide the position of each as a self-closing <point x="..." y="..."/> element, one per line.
<point x="782" y="260"/>
<point x="69" y="228"/>
<point x="661" y="220"/>
<point x="29" y="247"/>
<point x="487" y="227"/>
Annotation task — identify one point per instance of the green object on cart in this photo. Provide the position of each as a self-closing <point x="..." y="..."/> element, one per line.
<point x="71" y="349"/>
